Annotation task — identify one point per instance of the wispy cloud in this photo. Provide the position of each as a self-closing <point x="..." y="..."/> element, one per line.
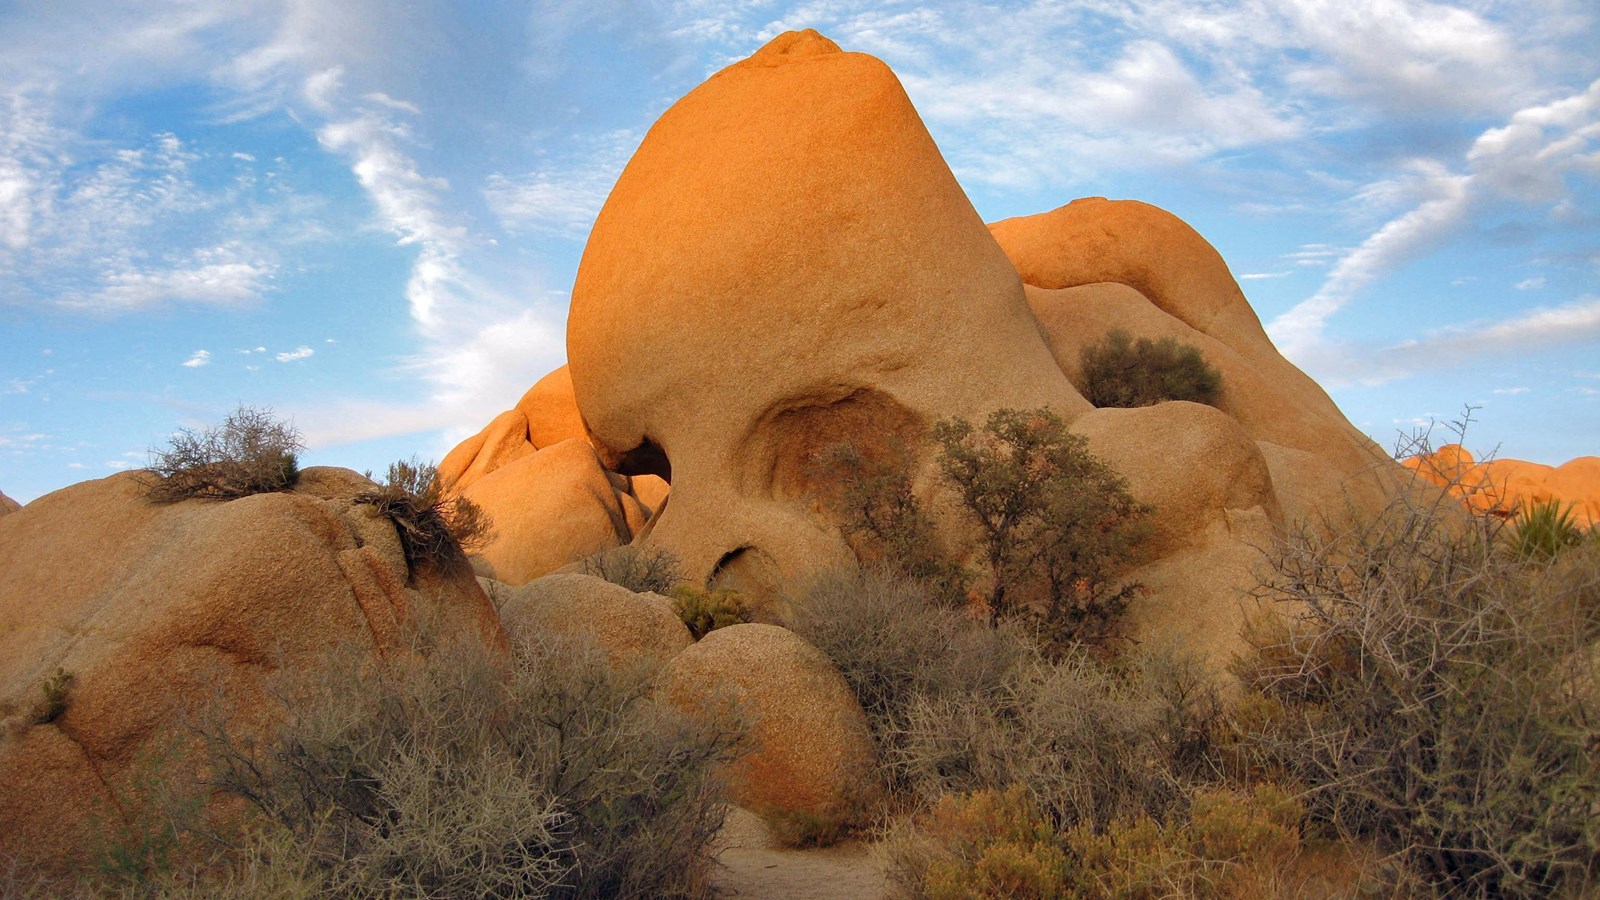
<point x="200" y="358"/>
<point x="295" y="355"/>
<point x="1530" y="284"/>
<point x="1511" y="391"/>
<point x="563" y="197"/>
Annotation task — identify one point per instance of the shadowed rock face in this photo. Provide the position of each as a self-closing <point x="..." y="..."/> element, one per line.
<point x="8" y="505"/>
<point x="787" y="263"/>
<point x="158" y="611"/>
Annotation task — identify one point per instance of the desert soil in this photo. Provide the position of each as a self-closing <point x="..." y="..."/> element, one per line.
<point x="752" y="865"/>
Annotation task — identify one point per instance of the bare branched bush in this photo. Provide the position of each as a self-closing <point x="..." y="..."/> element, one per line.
<point x="437" y="528"/>
<point x="446" y="778"/>
<point x="639" y="569"/>
<point x="1428" y="693"/>
<point x="1122" y="372"/>
<point x="251" y="452"/>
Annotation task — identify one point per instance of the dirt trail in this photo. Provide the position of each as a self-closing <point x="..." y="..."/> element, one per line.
<point x="754" y="867"/>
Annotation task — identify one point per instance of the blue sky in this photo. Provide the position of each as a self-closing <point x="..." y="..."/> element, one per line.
<point x="367" y="215"/>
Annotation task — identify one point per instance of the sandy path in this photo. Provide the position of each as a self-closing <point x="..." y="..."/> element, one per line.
<point x="752" y="866"/>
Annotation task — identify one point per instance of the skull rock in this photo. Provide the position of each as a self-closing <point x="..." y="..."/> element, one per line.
<point x="813" y="274"/>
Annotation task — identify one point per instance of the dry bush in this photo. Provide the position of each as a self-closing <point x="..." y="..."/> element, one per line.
<point x="894" y="643"/>
<point x="249" y="453"/>
<point x="639" y="569"/>
<point x="450" y="778"/>
<point x="1122" y="372"/>
<point x="1082" y="739"/>
<point x="1433" y="692"/>
<point x="437" y="528"/>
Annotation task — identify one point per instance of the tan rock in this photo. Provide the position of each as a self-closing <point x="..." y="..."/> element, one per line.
<point x="545" y="416"/>
<point x="8" y="505"/>
<point x="1095" y="264"/>
<point x="151" y="608"/>
<point x="813" y="752"/>
<point x="629" y="627"/>
<point x="1505" y="486"/>
<point x="1191" y="463"/>
<point x="803" y="256"/>
<point x="549" y="508"/>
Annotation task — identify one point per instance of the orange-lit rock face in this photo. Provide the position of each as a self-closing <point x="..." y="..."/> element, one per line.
<point x="811" y="273"/>
<point x="1504" y="486"/>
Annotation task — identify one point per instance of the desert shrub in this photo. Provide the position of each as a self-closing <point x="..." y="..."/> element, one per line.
<point x="249" y="453"/>
<point x="1542" y="530"/>
<point x="639" y="569"/>
<point x="1433" y="695"/>
<point x="1122" y="372"/>
<point x="1051" y="514"/>
<point x="704" y="611"/>
<point x="52" y="701"/>
<point x="1079" y="736"/>
<point x="447" y="777"/>
<point x="885" y="524"/>
<point x="1226" y="844"/>
<point x="436" y="527"/>
<point x="894" y="643"/>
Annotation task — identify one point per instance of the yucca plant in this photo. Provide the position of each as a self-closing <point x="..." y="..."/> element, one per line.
<point x="1544" y="529"/>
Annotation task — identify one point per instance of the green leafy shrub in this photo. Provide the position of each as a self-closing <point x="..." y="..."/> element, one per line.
<point x="1542" y="530"/>
<point x="704" y="611"/>
<point x="1122" y="372"/>
<point x="1435" y="696"/>
<point x="1052" y="516"/>
<point x="639" y="569"/>
<point x="988" y="844"/>
<point x="446" y="778"/>
<point x="249" y="453"/>
<point x="437" y="528"/>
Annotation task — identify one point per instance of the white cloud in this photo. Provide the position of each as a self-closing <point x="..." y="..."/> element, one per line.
<point x="1262" y="276"/>
<point x="1529" y="284"/>
<point x="562" y="197"/>
<point x="200" y="358"/>
<point x="295" y="355"/>
<point x="1511" y="392"/>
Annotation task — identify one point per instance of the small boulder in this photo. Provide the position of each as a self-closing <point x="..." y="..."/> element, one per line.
<point x="813" y="754"/>
<point x="628" y="626"/>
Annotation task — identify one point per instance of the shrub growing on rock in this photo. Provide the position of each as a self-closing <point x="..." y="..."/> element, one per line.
<point x="249" y="453"/>
<point x="436" y="528"/>
<point x="704" y="611"/>
<point x="1123" y="372"/>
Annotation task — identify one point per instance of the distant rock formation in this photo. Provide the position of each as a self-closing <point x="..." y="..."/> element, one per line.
<point x="1506" y="486"/>
<point x="119" y="617"/>
<point x="812" y="273"/>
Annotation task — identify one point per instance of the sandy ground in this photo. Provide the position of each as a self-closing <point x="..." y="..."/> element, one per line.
<point x="753" y="866"/>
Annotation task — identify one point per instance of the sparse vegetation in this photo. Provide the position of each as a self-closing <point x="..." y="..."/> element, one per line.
<point x="448" y="776"/>
<point x="704" y="611"/>
<point x="639" y="569"/>
<point x="53" y="699"/>
<point x="251" y="452"/>
<point x="437" y="528"/>
<point x="1542" y="530"/>
<point x="1123" y="372"/>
